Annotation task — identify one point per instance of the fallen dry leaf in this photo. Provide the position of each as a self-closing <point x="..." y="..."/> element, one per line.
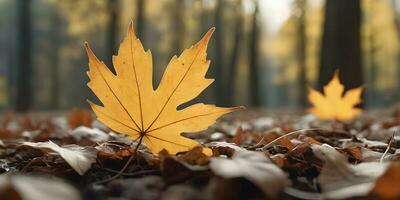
<point x="253" y="166"/>
<point x="114" y="151"/>
<point x="79" y="158"/>
<point x="340" y="180"/>
<point x="34" y="188"/>
<point x="334" y="104"/>
<point x="194" y="157"/>
<point x="133" y="107"/>
<point x="385" y="186"/>
<point x="79" y="117"/>
<point x="94" y="134"/>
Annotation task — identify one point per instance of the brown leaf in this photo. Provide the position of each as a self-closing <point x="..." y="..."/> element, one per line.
<point x="285" y="141"/>
<point x="224" y="148"/>
<point x="80" y="117"/>
<point x="26" y="123"/>
<point x="8" y="135"/>
<point x="270" y="136"/>
<point x="386" y="187"/>
<point x="176" y="170"/>
<point x="239" y="137"/>
<point x="114" y="151"/>
<point x="355" y="152"/>
<point x="194" y="157"/>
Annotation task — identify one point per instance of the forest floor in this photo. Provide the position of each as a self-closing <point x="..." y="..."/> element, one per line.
<point x="256" y="155"/>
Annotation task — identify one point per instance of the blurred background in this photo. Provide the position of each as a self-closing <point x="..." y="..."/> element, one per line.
<point x="264" y="53"/>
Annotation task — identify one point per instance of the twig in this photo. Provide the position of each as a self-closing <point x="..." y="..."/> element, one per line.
<point x="30" y="163"/>
<point x="387" y="148"/>
<point x="126" y="164"/>
<point x="137" y="173"/>
<point x="289" y="134"/>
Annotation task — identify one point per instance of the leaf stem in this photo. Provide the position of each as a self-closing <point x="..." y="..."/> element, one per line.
<point x="290" y="134"/>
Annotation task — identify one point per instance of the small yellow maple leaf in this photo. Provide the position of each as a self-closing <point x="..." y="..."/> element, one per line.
<point x="335" y="105"/>
<point x="132" y="106"/>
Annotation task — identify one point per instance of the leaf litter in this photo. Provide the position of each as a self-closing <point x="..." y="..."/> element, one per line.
<point x="336" y="160"/>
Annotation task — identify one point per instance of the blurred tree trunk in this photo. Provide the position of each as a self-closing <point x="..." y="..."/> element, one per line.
<point x="204" y="26"/>
<point x="373" y="70"/>
<point x="179" y="27"/>
<point x="205" y="17"/>
<point x="234" y="59"/>
<point x="219" y="55"/>
<point x="140" y="19"/>
<point x="341" y="43"/>
<point x="112" y="30"/>
<point x="54" y="59"/>
<point x="23" y="79"/>
<point x="253" y="59"/>
<point x="301" y="51"/>
<point x="397" y="23"/>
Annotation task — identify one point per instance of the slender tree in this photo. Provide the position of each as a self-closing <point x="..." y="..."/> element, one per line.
<point x="204" y="26"/>
<point x="234" y="58"/>
<point x="140" y="18"/>
<point x="395" y="4"/>
<point x="341" y="43"/>
<point x="54" y="59"/>
<point x="301" y="50"/>
<point x="179" y="26"/>
<point x="23" y="79"/>
<point x="219" y="55"/>
<point x="112" y="32"/>
<point x="253" y="59"/>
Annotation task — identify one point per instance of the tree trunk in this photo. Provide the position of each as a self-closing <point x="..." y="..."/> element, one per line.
<point x="23" y="93"/>
<point x="219" y="58"/>
<point x="112" y="32"/>
<point x="140" y="19"/>
<point x="179" y="27"/>
<point x="54" y="60"/>
<point x="234" y="59"/>
<point x="253" y="60"/>
<point x="301" y="51"/>
<point x="397" y="24"/>
<point x="341" y="43"/>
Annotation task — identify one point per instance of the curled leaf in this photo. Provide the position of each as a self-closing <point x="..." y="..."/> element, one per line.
<point x="253" y="166"/>
<point x="340" y="180"/>
<point x="79" y="158"/>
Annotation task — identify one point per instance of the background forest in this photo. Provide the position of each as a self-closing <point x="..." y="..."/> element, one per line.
<point x="264" y="53"/>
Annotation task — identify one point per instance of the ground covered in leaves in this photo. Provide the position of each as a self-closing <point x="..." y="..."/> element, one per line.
<point x="256" y="155"/>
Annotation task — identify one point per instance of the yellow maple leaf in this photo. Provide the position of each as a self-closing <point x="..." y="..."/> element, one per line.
<point x="335" y="105"/>
<point x="132" y="106"/>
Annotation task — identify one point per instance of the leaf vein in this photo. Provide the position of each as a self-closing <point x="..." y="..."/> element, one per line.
<point x="173" y="92"/>
<point x="119" y="101"/>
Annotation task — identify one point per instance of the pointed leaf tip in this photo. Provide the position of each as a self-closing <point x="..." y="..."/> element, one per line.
<point x="207" y="36"/>
<point x="131" y="30"/>
<point x="86" y="45"/>
<point x="89" y="51"/>
<point x="238" y="108"/>
<point x="131" y="26"/>
<point x="336" y="75"/>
